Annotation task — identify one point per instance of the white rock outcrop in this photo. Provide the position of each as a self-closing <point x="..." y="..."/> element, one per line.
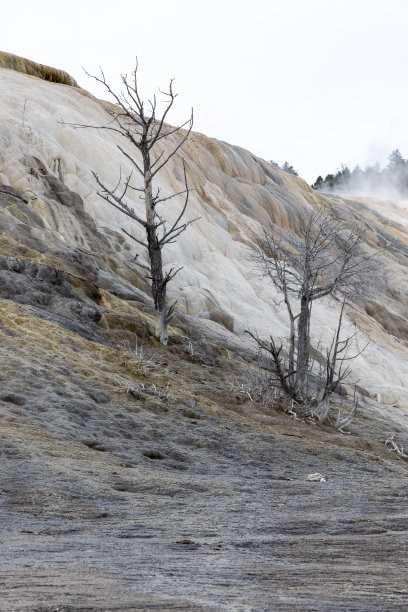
<point x="316" y="477"/>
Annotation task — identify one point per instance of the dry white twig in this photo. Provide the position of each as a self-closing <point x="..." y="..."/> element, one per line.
<point x="394" y="447"/>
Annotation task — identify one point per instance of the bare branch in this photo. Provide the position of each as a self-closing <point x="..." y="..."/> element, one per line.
<point x="143" y="244"/>
<point x="393" y="446"/>
<point x="172" y="97"/>
<point x="116" y="202"/>
<point x="131" y="159"/>
<point x="170" y="275"/>
<point x="176" y="148"/>
<point x="174" y="228"/>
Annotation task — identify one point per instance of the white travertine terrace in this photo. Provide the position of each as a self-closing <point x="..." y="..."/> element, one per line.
<point x="235" y="196"/>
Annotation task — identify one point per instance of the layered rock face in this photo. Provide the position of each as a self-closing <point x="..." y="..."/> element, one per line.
<point x="235" y="195"/>
<point x="134" y="476"/>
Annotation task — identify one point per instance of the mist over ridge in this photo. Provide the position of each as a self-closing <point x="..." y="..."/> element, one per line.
<point x="387" y="183"/>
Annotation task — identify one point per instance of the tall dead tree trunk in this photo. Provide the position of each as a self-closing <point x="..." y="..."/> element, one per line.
<point x="159" y="287"/>
<point x="303" y="347"/>
<point x="144" y="131"/>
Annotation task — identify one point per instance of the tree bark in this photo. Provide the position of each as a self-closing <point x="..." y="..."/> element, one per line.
<point x="155" y="257"/>
<point x="303" y="345"/>
<point x="303" y="352"/>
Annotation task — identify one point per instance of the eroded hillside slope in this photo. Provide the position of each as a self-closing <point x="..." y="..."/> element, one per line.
<point x="135" y="476"/>
<point x="235" y="196"/>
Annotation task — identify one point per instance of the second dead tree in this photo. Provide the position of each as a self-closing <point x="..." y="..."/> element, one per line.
<point x="327" y="260"/>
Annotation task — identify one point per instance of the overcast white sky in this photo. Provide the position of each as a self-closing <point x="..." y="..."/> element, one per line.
<point x="314" y="82"/>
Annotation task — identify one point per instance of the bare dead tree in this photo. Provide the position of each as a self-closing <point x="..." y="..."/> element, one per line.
<point x="324" y="259"/>
<point x="139" y="123"/>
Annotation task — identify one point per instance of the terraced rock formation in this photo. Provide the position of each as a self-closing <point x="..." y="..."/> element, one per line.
<point x="140" y="477"/>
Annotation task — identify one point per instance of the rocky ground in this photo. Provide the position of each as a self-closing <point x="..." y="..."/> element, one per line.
<point x="141" y="478"/>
